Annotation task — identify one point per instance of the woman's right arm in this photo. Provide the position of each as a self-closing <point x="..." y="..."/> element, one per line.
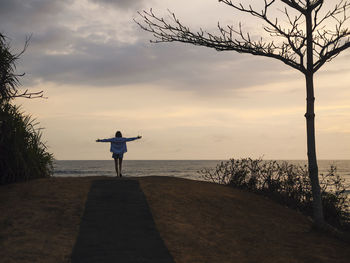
<point x="104" y="140"/>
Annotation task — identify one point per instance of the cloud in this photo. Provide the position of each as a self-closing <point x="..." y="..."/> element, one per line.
<point x="73" y="59"/>
<point x="31" y="6"/>
<point x="68" y="47"/>
<point x="30" y="13"/>
<point x="121" y="4"/>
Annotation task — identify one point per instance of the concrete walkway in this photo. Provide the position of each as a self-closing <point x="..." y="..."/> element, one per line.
<point x="117" y="226"/>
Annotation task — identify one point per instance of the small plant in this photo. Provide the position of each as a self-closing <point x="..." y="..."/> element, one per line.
<point x="286" y="183"/>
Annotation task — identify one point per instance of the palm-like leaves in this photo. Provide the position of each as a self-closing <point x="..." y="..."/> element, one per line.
<point x="23" y="155"/>
<point x="9" y="82"/>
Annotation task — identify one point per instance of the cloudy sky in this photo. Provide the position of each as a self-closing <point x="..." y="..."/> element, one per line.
<point x="101" y="74"/>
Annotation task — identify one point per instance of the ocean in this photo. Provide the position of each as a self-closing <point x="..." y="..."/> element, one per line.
<point x="175" y="168"/>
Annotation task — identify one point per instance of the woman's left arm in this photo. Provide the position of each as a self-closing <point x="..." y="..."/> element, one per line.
<point x="133" y="138"/>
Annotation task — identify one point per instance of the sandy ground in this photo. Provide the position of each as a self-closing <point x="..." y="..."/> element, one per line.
<point x="199" y="222"/>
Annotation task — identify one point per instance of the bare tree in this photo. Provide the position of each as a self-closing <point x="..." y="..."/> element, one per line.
<point x="309" y="37"/>
<point x="8" y="78"/>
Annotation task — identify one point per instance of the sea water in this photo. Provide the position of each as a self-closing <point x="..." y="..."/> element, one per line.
<point x="174" y="168"/>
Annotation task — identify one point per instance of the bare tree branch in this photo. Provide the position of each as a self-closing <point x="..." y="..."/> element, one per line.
<point x="8" y="78"/>
<point x="226" y="41"/>
<point x="330" y="55"/>
<point x="290" y="48"/>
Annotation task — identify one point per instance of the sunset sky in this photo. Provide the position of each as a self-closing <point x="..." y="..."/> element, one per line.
<point x="101" y="74"/>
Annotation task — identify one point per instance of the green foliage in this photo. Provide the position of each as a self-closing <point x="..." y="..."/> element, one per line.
<point x="8" y="78"/>
<point x="335" y="198"/>
<point x="286" y="183"/>
<point x="23" y="155"/>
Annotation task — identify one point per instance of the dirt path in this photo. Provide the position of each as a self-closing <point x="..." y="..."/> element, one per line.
<point x="117" y="226"/>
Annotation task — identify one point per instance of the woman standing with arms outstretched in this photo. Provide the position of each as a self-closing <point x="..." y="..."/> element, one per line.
<point x="118" y="148"/>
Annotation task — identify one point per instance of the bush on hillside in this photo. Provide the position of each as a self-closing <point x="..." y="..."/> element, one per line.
<point x="287" y="183"/>
<point x="23" y="155"/>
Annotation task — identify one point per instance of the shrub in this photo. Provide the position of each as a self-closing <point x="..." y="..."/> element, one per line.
<point x="23" y="155"/>
<point x="286" y="183"/>
<point x="335" y="197"/>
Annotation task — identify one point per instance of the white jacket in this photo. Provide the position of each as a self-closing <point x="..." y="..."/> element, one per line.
<point x="118" y="144"/>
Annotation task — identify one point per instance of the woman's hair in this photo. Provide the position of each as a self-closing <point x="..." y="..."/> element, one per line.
<point x="118" y="134"/>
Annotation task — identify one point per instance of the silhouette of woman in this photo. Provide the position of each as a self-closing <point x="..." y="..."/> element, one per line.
<point x="118" y="148"/>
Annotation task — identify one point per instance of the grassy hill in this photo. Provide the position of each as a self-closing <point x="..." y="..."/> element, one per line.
<point x="199" y="222"/>
<point x="205" y="222"/>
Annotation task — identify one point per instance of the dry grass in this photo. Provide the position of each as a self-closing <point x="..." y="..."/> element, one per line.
<point x="199" y="222"/>
<point x="205" y="222"/>
<point x="39" y="219"/>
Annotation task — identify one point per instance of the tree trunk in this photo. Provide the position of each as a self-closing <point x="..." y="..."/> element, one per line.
<point x="310" y="124"/>
<point x="311" y="152"/>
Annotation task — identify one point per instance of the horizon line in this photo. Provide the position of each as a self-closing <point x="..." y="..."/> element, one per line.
<point x="198" y="159"/>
